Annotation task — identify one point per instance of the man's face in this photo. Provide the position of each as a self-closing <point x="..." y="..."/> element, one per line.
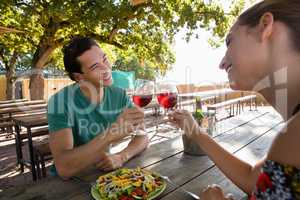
<point x="95" y="67"/>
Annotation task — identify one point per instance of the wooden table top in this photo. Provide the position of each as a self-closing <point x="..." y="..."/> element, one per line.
<point x="248" y="136"/>
<point x="32" y="120"/>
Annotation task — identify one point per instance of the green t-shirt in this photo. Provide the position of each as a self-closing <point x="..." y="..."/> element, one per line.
<point x="69" y="108"/>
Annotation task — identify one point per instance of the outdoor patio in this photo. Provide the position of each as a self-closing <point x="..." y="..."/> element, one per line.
<point x="127" y="69"/>
<point x="248" y="135"/>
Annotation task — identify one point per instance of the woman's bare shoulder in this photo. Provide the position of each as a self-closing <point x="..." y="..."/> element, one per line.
<point x="286" y="146"/>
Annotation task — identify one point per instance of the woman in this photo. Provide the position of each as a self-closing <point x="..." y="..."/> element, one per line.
<point x="263" y="55"/>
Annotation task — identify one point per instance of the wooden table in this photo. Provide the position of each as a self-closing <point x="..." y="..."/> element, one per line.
<point x="19" y="109"/>
<point x="28" y="122"/>
<point x="248" y="136"/>
<point x="7" y="113"/>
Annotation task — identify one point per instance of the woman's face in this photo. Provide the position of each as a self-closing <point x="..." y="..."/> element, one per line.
<point x="246" y="58"/>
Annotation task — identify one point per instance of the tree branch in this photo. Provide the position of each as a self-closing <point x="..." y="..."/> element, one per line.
<point x="13" y="59"/>
<point x="106" y="40"/>
<point x="59" y="42"/>
<point x="131" y="16"/>
<point x="139" y="11"/>
<point x="113" y="33"/>
<point x="142" y="5"/>
<point x="41" y="56"/>
<point x="64" y="24"/>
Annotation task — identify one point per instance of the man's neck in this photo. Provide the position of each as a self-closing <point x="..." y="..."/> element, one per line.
<point x="93" y="93"/>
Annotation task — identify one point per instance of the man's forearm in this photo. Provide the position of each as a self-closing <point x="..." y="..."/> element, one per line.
<point x="135" y="146"/>
<point x="70" y="162"/>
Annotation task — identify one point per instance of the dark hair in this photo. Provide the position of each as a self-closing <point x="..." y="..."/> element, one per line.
<point x="285" y="11"/>
<point x="73" y="50"/>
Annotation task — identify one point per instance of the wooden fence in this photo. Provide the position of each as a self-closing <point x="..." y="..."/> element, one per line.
<point x="52" y="86"/>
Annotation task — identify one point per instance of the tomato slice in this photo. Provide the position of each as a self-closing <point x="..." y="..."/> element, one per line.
<point x="123" y="197"/>
<point x="158" y="183"/>
<point x="139" y="191"/>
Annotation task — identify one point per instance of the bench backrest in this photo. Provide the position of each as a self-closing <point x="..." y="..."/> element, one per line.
<point x="13" y="101"/>
<point x="22" y="109"/>
<point x="16" y="104"/>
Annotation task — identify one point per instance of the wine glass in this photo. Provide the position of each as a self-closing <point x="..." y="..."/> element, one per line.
<point x="167" y="95"/>
<point x="142" y="96"/>
<point x="143" y="93"/>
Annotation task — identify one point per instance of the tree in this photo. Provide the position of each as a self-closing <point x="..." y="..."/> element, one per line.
<point x="147" y="29"/>
<point x="12" y="45"/>
<point x="142" y="71"/>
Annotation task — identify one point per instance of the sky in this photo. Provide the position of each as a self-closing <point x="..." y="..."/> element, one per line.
<point x="196" y="61"/>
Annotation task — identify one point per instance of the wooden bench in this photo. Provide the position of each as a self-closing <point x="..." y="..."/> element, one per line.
<point x="232" y="102"/>
<point x="6" y="127"/>
<point x="26" y="103"/>
<point x="19" y="138"/>
<point x="42" y="154"/>
<point x="13" y="101"/>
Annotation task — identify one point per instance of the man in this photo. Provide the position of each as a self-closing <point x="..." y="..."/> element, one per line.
<point x="85" y="118"/>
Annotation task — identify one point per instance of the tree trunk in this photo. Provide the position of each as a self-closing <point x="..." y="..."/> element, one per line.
<point x="45" y="48"/>
<point x="11" y="77"/>
<point x="36" y="86"/>
<point x="10" y="83"/>
<point x="36" y="78"/>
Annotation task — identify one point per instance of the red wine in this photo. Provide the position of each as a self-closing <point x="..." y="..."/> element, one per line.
<point x="142" y="100"/>
<point x="167" y="100"/>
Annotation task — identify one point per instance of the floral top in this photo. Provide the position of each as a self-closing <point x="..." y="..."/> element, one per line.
<point x="277" y="181"/>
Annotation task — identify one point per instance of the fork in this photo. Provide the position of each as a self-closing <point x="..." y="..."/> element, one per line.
<point x="177" y="186"/>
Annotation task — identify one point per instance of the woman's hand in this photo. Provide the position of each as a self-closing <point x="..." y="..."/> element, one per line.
<point x="214" y="192"/>
<point x="185" y="120"/>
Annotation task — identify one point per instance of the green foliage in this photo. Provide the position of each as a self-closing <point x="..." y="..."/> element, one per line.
<point x="131" y="63"/>
<point x="144" y="32"/>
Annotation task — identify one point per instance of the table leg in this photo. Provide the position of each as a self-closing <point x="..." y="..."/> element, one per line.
<point x="19" y="147"/>
<point x="38" y="169"/>
<point x="31" y="153"/>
